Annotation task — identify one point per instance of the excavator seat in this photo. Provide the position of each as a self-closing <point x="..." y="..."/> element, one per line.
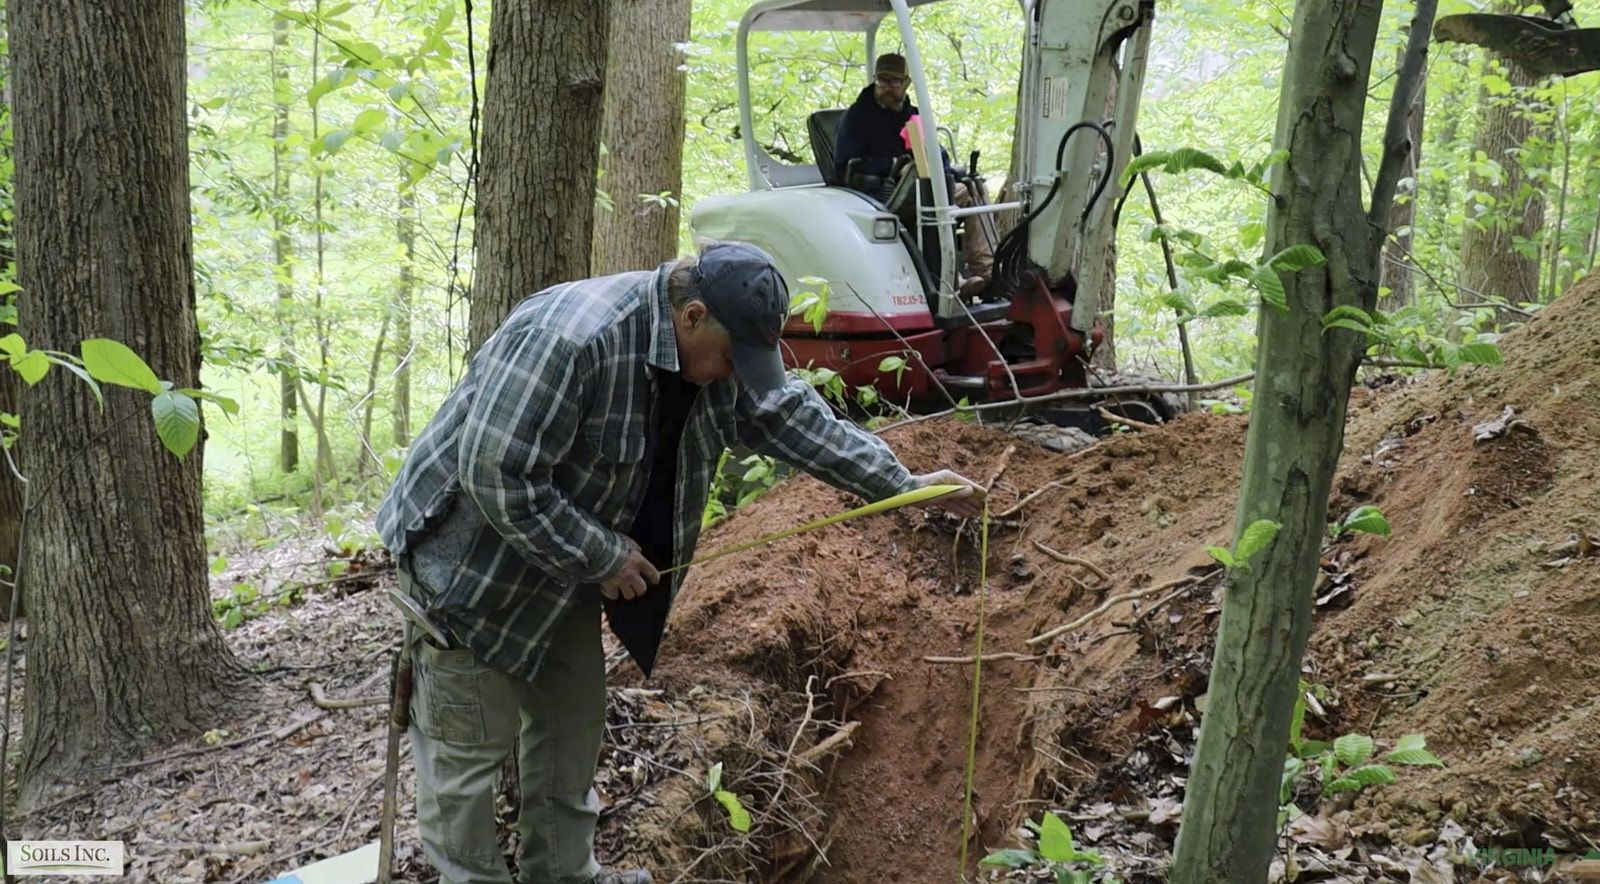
<point x="823" y="129"/>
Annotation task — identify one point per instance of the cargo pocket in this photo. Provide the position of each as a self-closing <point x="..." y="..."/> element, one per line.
<point x="449" y="688"/>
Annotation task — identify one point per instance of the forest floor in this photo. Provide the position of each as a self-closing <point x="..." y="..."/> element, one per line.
<point x="803" y="668"/>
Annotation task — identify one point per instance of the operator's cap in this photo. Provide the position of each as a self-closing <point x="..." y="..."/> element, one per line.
<point x="742" y="289"/>
<point x="891" y="63"/>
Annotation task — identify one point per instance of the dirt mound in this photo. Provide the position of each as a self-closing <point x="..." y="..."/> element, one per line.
<point x="857" y="607"/>
<point x="1469" y="625"/>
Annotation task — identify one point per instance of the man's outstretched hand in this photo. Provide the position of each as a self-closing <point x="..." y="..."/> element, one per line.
<point x="967" y="503"/>
<point x="633" y="579"/>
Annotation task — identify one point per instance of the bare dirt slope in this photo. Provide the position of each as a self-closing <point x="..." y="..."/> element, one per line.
<point x="1474" y="624"/>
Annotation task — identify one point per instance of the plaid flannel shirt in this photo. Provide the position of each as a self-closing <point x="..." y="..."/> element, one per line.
<point x="538" y="461"/>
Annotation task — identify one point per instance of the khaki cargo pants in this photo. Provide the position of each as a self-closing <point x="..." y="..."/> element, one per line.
<point x="466" y="718"/>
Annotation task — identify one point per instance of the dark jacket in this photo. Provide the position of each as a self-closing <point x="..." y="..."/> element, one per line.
<point x="871" y="132"/>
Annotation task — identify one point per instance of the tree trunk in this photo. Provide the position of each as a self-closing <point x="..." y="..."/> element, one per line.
<point x="643" y="136"/>
<point x="1491" y="264"/>
<point x="1397" y="271"/>
<point x="10" y="382"/>
<point x="541" y="141"/>
<point x="283" y="248"/>
<point x="10" y="487"/>
<point x="405" y="297"/>
<point x="324" y="471"/>
<point x="123" y="645"/>
<point x="367" y="454"/>
<point x="1295" y="436"/>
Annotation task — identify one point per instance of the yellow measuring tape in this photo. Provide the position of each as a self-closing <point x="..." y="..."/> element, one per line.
<point x="919" y="495"/>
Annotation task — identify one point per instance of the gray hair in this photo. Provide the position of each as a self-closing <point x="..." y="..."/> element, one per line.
<point x="681" y="287"/>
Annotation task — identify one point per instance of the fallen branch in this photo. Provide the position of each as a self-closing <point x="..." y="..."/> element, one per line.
<point x="987" y="658"/>
<point x="319" y="697"/>
<point x="274" y="735"/>
<point x="833" y="741"/>
<point x="1182" y="590"/>
<point x="1085" y="393"/>
<point x="1128" y="422"/>
<point x="241" y="848"/>
<point x="1110" y="603"/>
<point x="1005" y="461"/>
<point x="1065" y="559"/>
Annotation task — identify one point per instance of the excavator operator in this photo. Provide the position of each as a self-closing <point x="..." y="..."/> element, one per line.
<point x="869" y="143"/>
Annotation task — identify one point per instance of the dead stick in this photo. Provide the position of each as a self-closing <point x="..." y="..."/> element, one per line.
<point x="1125" y="421"/>
<point x="987" y="658"/>
<point x="1108" y="604"/>
<point x="1017" y="507"/>
<point x="1005" y="461"/>
<point x="833" y="741"/>
<point x="1065" y="559"/>
<point x="321" y="698"/>
<point x="277" y="734"/>
<point x="240" y="848"/>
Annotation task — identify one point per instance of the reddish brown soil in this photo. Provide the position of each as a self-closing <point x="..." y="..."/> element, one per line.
<point x="1490" y="645"/>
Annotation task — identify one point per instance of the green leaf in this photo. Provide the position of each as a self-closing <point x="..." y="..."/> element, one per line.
<point x="1225" y="308"/>
<point x="215" y="103"/>
<point x="714" y="778"/>
<point x="1291" y="771"/>
<point x="1371" y="775"/>
<point x="1313" y="748"/>
<point x="228" y="406"/>
<point x="333" y="141"/>
<point x="1255" y="539"/>
<point x="1297" y="258"/>
<point x="1222" y="556"/>
<point x="13" y="344"/>
<point x="1359" y="778"/>
<point x="78" y="370"/>
<point x="32" y="366"/>
<point x="335" y="79"/>
<point x="1361" y="318"/>
<point x="233" y="618"/>
<point x="1351" y="324"/>
<point x="1353" y="749"/>
<point x="1250" y="234"/>
<point x="7" y="287"/>
<point x="112" y="362"/>
<point x="177" y="421"/>
<point x="1270" y="286"/>
<point x="1178" y="301"/>
<point x="368" y="120"/>
<point x="1481" y="354"/>
<point x="1055" y="840"/>
<point x="738" y="817"/>
<point x="891" y="363"/>
<point x="1410" y="750"/>
<point x="1012" y="858"/>
<point x="301" y="17"/>
<point x="1367" y="520"/>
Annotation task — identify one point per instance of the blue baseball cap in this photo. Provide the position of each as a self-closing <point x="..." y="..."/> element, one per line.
<point x="742" y="288"/>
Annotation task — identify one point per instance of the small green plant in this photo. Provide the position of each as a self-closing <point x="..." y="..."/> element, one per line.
<point x="827" y="382"/>
<point x="1361" y="520"/>
<point x="242" y="603"/>
<point x="738" y="817"/>
<point x="1345" y="765"/>
<point x="1404" y="335"/>
<point x="896" y="364"/>
<point x="811" y="303"/>
<point x="1255" y="539"/>
<point x="1056" y="853"/>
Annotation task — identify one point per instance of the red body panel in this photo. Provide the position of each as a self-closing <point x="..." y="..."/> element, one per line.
<point x="1036" y="331"/>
